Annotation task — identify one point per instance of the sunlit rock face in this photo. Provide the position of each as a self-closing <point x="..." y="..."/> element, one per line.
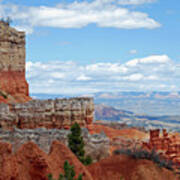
<point x="13" y="84"/>
<point x="58" y="113"/>
<point x="166" y="144"/>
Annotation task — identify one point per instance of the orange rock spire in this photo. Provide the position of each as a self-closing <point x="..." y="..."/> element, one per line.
<point x="13" y="84"/>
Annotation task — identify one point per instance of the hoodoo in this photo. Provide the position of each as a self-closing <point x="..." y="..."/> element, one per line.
<point x="13" y="84"/>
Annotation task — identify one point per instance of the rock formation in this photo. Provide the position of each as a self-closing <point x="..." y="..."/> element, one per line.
<point x="13" y="84"/>
<point x="29" y="162"/>
<point x="97" y="145"/>
<point x="165" y="144"/>
<point x="126" y="138"/>
<point x="59" y="113"/>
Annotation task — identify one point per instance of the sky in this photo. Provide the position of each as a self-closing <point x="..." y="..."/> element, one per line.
<point x="87" y="46"/>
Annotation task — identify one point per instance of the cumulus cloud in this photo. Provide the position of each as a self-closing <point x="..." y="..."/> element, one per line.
<point x="135" y="2"/>
<point x="154" y="59"/>
<point x="103" y="13"/>
<point x="155" y="72"/>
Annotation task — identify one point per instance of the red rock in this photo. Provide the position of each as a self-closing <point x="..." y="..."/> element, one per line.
<point x="12" y="65"/>
<point x="168" y="144"/>
<point x="31" y="163"/>
<point x="59" y="153"/>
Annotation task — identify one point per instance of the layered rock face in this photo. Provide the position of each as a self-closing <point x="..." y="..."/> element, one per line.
<point x="167" y="145"/>
<point x="96" y="146"/>
<point x="59" y="113"/>
<point x="12" y="65"/>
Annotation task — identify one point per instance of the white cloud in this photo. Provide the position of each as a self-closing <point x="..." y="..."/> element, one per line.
<point x="135" y="2"/>
<point x="134" y="77"/>
<point x="149" y="73"/>
<point x="27" y="29"/>
<point x="154" y="59"/>
<point x="133" y="51"/>
<point x="103" y="13"/>
<point x="57" y="75"/>
<point x="83" y="78"/>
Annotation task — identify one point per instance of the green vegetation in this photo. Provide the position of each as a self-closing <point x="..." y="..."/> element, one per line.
<point x="3" y="95"/>
<point x="143" y="154"/>
<point x="69" y="173"/>
<point x="76" y="144"/>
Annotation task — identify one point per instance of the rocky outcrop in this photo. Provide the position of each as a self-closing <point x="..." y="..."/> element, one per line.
<point x="29" y="162"/>
<point x="96" y="145"/>
<point x="126" y="138"/>
<point x="13" y="84"/>
<point x="165" y="144"/>
<point x="59" y="113"/>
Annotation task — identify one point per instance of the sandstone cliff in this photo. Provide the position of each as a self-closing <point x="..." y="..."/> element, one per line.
<point x="59" y="113"/>
<point x="13" y="84"/>
<point x="166" y="144"/>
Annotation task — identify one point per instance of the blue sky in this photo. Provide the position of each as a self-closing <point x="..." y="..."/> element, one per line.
<point x="99" y="45"/>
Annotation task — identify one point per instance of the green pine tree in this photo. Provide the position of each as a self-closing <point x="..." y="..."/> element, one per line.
<point x="76" y="144"/>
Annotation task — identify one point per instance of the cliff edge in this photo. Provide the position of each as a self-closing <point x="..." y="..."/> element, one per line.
<point x="13" y="85"/>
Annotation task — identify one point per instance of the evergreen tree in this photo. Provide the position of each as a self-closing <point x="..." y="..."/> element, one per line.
<point x="76" y="144"/>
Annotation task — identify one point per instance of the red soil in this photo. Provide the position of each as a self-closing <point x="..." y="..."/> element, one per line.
<point x="119" y="167"/>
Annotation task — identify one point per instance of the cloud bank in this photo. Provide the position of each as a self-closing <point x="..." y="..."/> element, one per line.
<point x="103" y="13"/>
<point x="155" y="72"/>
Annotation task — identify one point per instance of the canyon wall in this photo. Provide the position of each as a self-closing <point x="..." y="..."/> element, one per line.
<point x="97" y="145"/>
<point x="58" y="113"/>
<point x="13" y="84"/>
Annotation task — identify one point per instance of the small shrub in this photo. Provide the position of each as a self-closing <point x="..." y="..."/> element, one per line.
<point x="50" y="177"/>
<point x="87" y="160"/>
<point x="3" y="95"/>
<point x="69" y="173"/>
<point x="143" y="154"/>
